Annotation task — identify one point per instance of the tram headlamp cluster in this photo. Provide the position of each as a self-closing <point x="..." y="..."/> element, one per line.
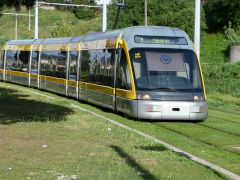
<point x="144" y="97"/>
<point x="198" y="98"/>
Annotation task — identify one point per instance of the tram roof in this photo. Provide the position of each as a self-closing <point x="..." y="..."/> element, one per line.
<point x="20" y="42"/>
<point x="128" y="34"/>
<point x="158" y="31"/>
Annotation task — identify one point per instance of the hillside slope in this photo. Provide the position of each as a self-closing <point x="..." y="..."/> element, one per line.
<point x="49" y="21"/>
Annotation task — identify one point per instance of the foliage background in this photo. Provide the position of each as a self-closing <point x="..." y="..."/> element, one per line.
<point x="220" y="12"/>
<point x="179" y="14"/>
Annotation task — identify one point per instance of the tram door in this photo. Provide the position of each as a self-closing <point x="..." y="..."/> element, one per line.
<point x="108" y="68"/>
<point x="34" y="69"/>
<point x="123" y="83"/>
<point x="73" y="73"/>
<point x="97" y="76"/>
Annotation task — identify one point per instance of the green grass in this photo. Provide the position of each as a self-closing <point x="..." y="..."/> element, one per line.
<point x="41" y="138"/>
<point x="219" y="75"/>
<point x="214" y="140"/>
<point x="214" y="49"/>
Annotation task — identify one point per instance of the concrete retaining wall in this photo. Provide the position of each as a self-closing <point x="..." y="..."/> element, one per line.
<point x="234" y="54"/>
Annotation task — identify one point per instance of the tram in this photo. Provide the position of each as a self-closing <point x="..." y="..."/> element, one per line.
<point x="147" y="72"/>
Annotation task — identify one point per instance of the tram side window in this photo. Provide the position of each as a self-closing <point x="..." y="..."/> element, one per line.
<point x="61" y="64"/>
<point x="34" y="65"/>
<point x="17" y="60"/>
<point x="10" y="60"/>
<point x="123" y="75"/>
<point x="109" y="67"/>
<point x="85" y="66"/>
<point x="73" y="59"/>
<point x="48" y="64"/>
<point x="53" y="63"/>
<point x="24" y="59"/>
<point x="2" y="60"/>
<point x="98" y="66"/>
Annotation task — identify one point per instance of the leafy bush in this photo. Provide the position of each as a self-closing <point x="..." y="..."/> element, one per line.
<point x="232" y="37"/>
<point x="84" y="13"/>
<point x="223" y="78"/>
<point x="61" y="30"/>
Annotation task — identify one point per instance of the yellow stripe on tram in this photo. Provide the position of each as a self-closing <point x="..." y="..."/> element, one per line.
<point x="129" y="94"/>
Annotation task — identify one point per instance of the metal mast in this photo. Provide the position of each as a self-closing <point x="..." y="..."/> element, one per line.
<point x="104" y="23"/>
<point x="197" y="27"/>
<point x="36" y="20"/>
<point x="145" y="12"/>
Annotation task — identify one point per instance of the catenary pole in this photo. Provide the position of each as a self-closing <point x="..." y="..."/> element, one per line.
<point x="104" y="23"/>
<point x="16" y="28"/>
<point x="197" y="27"/>
<point x="16" y="21"/>
<point x="36" y="20"/>
<point x="29" y="20"/>
<point x="71" y="5"/>
<point x="145" y="12"/>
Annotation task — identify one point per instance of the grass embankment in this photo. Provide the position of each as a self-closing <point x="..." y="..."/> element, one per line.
<point x="48" y="22"/>
<point x="220" y="76"/>
<point x="42" y="138"/>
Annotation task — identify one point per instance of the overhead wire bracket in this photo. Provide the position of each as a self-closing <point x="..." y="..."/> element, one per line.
<point x="120" y="5"/>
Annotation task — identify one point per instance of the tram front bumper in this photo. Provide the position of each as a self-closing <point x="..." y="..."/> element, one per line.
<point x="172" y="110"/>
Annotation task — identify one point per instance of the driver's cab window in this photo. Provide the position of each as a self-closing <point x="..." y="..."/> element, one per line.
<point x="123" y="75"/>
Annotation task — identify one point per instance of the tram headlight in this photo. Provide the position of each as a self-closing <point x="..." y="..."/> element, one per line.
<point x="198" y="98"/>
<point x="144" y="97"/>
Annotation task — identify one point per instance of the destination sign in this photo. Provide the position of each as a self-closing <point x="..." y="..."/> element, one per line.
<point x="160" y="40"/>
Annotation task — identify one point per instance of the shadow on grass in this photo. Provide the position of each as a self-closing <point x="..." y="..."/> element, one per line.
<point x="158" y="147"/>
<point x="143" y="173"/>
<point x="15" y="107"/>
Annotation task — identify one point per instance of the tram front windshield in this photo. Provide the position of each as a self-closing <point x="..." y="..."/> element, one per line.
<point x="166" y="70"/>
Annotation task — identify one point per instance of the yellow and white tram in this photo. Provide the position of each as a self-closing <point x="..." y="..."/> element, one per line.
<point x="146" y="72"/>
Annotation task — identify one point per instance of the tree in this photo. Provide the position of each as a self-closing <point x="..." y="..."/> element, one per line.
<point x="17" y="3"/>
<point x="83" y="12"/>
<point x="132" y="14"/>
<point x="179" y="14"/>
<point x="80" y="12"/>
<point x="61" y="30"/>
<point x="220" y="12"/>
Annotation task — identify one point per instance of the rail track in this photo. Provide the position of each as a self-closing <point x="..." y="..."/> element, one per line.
<point x="201" y="140"/>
